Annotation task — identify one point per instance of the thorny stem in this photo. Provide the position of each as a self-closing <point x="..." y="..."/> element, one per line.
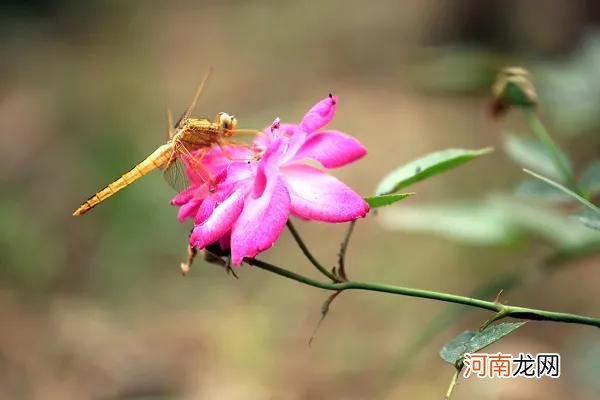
<point x="341" y="272"/>
<point x="445" y="318"/>
<point x="308" y="254"/>
<point x="507" y="311"/>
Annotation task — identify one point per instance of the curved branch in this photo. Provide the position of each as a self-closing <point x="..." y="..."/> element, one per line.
<point x="308" y="254"/>
<point x="504" y="310"/>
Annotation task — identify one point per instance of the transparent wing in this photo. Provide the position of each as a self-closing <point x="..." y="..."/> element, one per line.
<point x="170" y="127"/>
<point x="187" y="168"/>
<point x="176" y="176"/>
<point x="186" y="114"/>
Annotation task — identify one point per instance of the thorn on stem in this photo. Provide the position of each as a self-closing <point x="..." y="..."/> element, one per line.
<point x="497" y="299"/>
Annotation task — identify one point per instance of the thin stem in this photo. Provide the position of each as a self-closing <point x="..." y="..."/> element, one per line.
<point x="560" y="187"/>
<point x="324" y="312"/>
<point x="343" y="249"/>
<point x="552" y="148"/>
<point x="453" y="383"/>
<point x="507" y="311"/>
<point x="308" y="254"/>
<point x="445" y="318"/>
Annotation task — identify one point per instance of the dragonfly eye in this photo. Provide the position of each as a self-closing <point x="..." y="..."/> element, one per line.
<point x="226" y="121"/>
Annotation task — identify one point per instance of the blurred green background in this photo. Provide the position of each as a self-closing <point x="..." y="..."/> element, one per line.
<point x="95" y="307"/>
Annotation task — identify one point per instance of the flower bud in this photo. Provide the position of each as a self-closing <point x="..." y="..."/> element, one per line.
<point x="513" y="87"/>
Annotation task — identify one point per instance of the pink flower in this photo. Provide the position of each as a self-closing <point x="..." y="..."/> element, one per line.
<point x="250" y="200"/>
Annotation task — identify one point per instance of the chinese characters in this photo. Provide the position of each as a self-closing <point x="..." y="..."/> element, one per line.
<point x="499" y="365"/>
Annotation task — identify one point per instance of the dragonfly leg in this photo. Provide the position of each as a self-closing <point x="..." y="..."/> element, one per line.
<point x="251" y="132"/>
<point x="215" y="255"/>
<point x="223" y="146"/>
<point x="221" y="260"/>
<point x="194" y="162"/>
<point x="228" y="267"/>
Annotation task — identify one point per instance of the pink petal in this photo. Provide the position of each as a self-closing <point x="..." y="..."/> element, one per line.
<point x="319" y="196"/>
<point x="288" y="129"/>
<point x="261" y="222"/>
<point x="188" y="209"/>
<point x="218" y="158"/>
<point x="183" y="197"/>
<point x="219" y="222"/>
<point x="319" y="115"/>
<point x="216" y="161"/>
<point x="293" y="137"/>
<point x="239" y="170"/>
<point x="268" y="167"/>
<point x="269" y="134"/>
<point x="205" y="210"/>
<point x="197" y="171"/>
<point x="331" y="148"/>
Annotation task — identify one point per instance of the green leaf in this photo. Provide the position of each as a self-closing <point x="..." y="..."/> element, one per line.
<point x="475" y="224"/>
<point x="530" y="153"/>
<point x="538" y="190"/>
<point x="565" y="190"/>
<point x="386" y="199"/>
<point x="426" y="166"/>
<point x="497" y="221"/>
<point x="472" y="342"/>
<point x="562" y="231"/>
<point x="591" y="220"/>
<point x="590" y="179"/>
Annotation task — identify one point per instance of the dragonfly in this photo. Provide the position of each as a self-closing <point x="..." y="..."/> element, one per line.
<point x="187" y="141"/>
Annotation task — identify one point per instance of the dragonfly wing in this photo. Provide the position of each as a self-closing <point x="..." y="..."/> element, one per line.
<point x="170" y="126"/>
<point x="187" y="168"/>
<point x="176" y="176"/>
<point x="188" y="111"/>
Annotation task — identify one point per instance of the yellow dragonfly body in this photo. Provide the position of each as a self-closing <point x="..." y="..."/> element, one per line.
<point x="189" y="135"/>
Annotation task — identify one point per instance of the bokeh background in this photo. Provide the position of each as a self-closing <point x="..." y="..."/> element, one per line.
<point x="95" y="307"/>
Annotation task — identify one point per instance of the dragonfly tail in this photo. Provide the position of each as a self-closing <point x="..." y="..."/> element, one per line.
<point x="155" y="160"/>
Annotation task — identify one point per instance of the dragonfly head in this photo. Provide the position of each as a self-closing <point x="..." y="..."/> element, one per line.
<point x="226" y="122"/>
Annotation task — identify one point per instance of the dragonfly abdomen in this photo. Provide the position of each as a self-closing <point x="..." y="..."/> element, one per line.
<point x="155" y="160"/>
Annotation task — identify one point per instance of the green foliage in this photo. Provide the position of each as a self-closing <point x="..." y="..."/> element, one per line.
<point x="499" y="220"/>
<point x="591" y="220"/>
<point x="537" y="190"/>
<point x="571" y="89"/>
<point x="424" y="167"/>
<point x="530" y="153"/>
<point x="569" y="192"/>
<point x="472" y="223"/>
<point x="471" y="342"/>
<point x="590" y="179"/>
<point x="386" y="199"/>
